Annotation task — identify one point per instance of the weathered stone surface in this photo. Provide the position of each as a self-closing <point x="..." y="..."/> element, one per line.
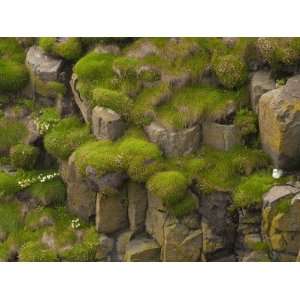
<point x="277" y="192"/>
<point x="218" y="226"/>
<point x="279" y="124"/>
<point x="137" y="206"/>
<point x="180" y="244"/>
<point x="109" y="181"/>
<point x="174" y="143"/>
<point x="111" y="212"/>
<point x="144" y="49"/>
<point x="261" y="83"/>
<point x="122" y="241"/>
<point x="142" y="250"/>
<point x="107" y="124"/>
<point x="81" y="200"/>
<point x="83" y="105"/>
<point x="112" y="49"/>
<point x="219" y="136"/>
<point x="281" y="226"/>
<point x="105" y="247"/>
<point x="44" y="66"/>
<point x="155" y="218"/>
<point x="256" y="256"/>
<point x="33" y="131"/>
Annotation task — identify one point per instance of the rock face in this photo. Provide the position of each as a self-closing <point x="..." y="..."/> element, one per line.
<point x="281" y="226"/>
<point x="218" y="226"/>
<point x="219" y="136"/>
<point x="261" y="83"/>
<point x="174" y="143"/>
<point x="44" y="66"/>
<point x="137" y="206"/>
<point x="142" y="250"/>
<point x="279" y="124"/>
<point x="111" y="212"/>
<point x="81" y="200"/>
<point x="83" y="105"/>
<point x="107" y="124"/>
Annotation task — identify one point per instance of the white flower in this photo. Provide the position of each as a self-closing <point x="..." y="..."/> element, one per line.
<point x="277" y="173"/>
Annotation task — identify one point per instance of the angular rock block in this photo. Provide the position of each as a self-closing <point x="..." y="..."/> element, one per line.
<point x="137" y="206"/>
<point x="83" y="105"/>
<point x="111" y="212"/>
<point x="44" y="66"/>
<point x="81" y="200"/>
<point x="279" y="124"/>
<point x="220" y="137"/>
<point x="174" y="143"/>
<point x="281" y="226"/>
<point x="142" y="250"/>
<point x="107" y="124"/>
<point x="261" y="83"/>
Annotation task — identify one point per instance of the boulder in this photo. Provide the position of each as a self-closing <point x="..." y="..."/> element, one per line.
<point x="146" y="48"/>
<point x="155" y="218"/>
<point x="279" y="124"/>
<point x="174" y="143"/>
<point x="107" y="124"/>
<point x="218" y="224"/>
<point x="261" y="83"/>
<point x="281" y="226"/>
<point x="83" y="105"/>
<point x="137" y="206"/>
<point x="180" y="244"/>
<point x="111" y="212"/>
<point x="221" y="137"/>
<point x="81" y="200"/>
<point x="105" y="247"/>
<point x="142" y="250"/>
<point x="42" y="65"/>
<point x="121" y="243"/>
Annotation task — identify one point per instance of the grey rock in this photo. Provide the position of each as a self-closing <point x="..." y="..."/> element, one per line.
<point x="107" y="124"/>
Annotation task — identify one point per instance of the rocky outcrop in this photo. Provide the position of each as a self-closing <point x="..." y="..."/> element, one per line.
<point x="83" y="105"/>
<point x="111" y="212"/>
<point x="142" y="250"/>
<point x="281" y="226"/>
<point x="174" y="143"/>
<point x="219" y="136"/>
<point x="107" y="124"/>
<point x="261" y="83"/>
<point x="137" y="206"/>
<point x="46" y="67"/>
<point x="279" y="124"/>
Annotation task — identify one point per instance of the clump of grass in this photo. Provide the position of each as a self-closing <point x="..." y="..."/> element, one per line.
<point x="12" y="132"/>
<point x="246" y="122"/>
<point x="24" y="156"/>
<point x="67" y="135"/>
<point x="193" y="104"/>
<point x="251" y="189"/>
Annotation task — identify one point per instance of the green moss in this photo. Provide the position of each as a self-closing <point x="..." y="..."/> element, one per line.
<point x="100" y="155"/>
<point x="47" y="119"/>
<point x="69" y="49"/>
<point x="10" y="216"/>
<point x="126" y="67"/>
<point x="52" y="192"/>
<point x="114" y="100"/>
<point x="8" y="185"/>
<point x="68" y="135"/>
<point x="24" y="156"/>
<point x="230" y="70"/>
<point x="95" y="67"/>
<point x="47" y="43"/>
<point x="251" y="189"/>
<point x="222" y="171"/>
<point x="12" y="132"/>
<point x="11" y="50"/>
<point x="184" y="207"/>
<point x="170" y="187"/>
<point x="51" y="89"/>
<point x="283" y="206"/>
<point x="193" y="104"/>
<point x="36" y="252"/>
<point x="246" y="121"/>
<point x="13" y="76"/>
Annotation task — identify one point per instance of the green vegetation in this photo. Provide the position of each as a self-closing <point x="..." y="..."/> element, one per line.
<point x="68" y="48"/>
<point x="251" y="189"/>
<point x="12" y="132"/>
<point x="65" y="137"/>
<point x="193" y="104"/>
<point x="24" y="156"/>
<point x="47" y="119"/>
<point x="231" y="71"/>
<point x="13" y="73"/>
<point x="51" y="192"/>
